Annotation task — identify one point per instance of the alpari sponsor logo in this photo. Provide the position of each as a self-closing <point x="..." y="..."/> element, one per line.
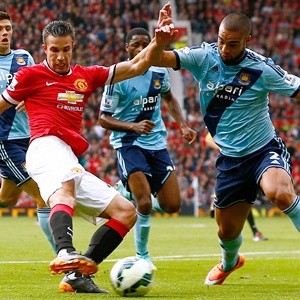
<point x="7" y="77"/>
<point x="13" y="84"/>
<point x="226" y="92"/>
<point x="147" y="103"/>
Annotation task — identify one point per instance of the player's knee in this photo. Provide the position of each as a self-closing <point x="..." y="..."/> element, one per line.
<point x="282" y="197"/>
<point x="127" y="215"/>
<point x="62" y="199"/>
<point x="144" y="205"/>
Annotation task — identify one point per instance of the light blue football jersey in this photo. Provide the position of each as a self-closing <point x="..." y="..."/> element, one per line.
<point x="137" y="99"/>
<point x="13" y="124"/>
<point x="234" y="99"/>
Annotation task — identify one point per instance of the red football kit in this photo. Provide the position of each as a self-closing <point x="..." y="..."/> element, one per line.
<point x="54" y="102"/>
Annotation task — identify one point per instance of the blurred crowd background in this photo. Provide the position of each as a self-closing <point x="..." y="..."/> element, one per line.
<point x="101" y="27"/>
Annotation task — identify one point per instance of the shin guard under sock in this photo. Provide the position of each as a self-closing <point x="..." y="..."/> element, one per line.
<point x="105" y="240"/>
<point x="230" y="252"/>
<point x="62" y="227"/>
<point x="141" y="233"/>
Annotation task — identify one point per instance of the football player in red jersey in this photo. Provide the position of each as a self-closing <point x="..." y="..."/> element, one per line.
<point x="54" y="93"/>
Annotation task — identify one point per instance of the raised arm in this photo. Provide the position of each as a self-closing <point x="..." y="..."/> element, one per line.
<point x="139" y="65"/>
<point x="165" y="34"/>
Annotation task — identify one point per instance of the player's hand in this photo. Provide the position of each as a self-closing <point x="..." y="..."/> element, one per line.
<point x="20" y="107"/>
<point x="165" y="33"/>
<point x="165" y="16"/>
<point x="189" y="134"/>
<point x="144" y="127"/>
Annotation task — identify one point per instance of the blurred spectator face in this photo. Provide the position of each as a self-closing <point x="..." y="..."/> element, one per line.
<point x="5" y="36"/>
<point x="59" y="52"/>
<point x="231" y="45"/>
<point x="136" y="45"/>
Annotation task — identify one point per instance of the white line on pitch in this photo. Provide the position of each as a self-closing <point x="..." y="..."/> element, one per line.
<point x="175" y="257"/>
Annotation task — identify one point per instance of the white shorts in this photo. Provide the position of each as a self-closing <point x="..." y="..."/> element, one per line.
<point x="50" y="162"/>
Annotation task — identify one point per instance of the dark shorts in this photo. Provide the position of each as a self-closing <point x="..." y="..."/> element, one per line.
<point x="238" y="178"/>
<point x="155" y="164"/>
<point x="12" y="160"/>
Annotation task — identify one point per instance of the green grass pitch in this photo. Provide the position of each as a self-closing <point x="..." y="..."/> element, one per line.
<point x="184" y="249"/>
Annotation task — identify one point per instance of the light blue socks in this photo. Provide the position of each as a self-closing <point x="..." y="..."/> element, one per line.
<point x="43" y="217"/>
<point x="230" y="252"/>
<point x="141" y="234"/>
<point x="293" y="212"/>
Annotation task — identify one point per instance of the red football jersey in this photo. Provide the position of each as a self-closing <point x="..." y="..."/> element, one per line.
<point x="55" y="103"/>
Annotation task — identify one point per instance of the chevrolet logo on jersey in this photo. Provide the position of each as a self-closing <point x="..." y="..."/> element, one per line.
<point x="70" y="96"/>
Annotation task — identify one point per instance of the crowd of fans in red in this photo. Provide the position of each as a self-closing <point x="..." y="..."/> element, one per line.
<point x="101" y="27"/>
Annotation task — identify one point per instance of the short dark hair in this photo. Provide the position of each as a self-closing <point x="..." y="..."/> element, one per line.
<point x="237" y="22"/>
<point x="58" y="28"/>
<point x="137" y="31"/>
<point x="4" y="16"/>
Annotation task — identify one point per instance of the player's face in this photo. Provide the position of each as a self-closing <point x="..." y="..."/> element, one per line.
<point x="5" y="36"/>
<point x="59" y="52"/>
<point x="136" y="45"/>
<point x="231" y="45"/>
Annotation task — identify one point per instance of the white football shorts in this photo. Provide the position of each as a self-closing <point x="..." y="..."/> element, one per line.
<point x="50" y="161"/>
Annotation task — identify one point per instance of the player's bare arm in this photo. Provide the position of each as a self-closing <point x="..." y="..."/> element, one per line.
<point x="131" y="68"/>
<point x="111" y="123"/>
<point x="175" y="111"/>
<point x="3" y="105"/>
<point x="139" y="65"/>
<point x="156" y="55"/>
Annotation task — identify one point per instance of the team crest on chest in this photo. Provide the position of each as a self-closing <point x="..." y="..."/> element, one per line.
<point x="81" y="84"/>
<point x="21" y="61"/>
<point x="156" y="84"/>
<point x="244" y="79"/>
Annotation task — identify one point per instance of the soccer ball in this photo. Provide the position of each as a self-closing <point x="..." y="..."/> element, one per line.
<point x="131" y="277"/>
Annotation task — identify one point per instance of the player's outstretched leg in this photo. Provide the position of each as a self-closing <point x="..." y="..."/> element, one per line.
<point x="217" y="276"/>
